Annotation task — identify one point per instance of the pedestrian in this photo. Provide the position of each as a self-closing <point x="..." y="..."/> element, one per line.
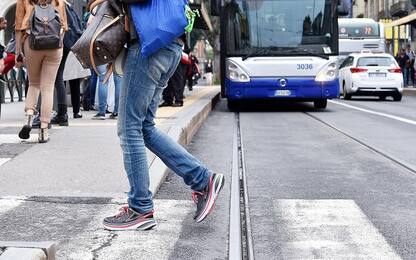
<point x="208" y="71"/>
<point x="103" y="94"/>
<point x="173" y="94"/>
<point x="3" y="26"/>
<point x="70" y="38"/>
<point x="145" y="77"/>
<point x="410" y="65"/>
<point x="42" y="62"/>
<point x="402" y="60"/>
<point x="193" y="71"/>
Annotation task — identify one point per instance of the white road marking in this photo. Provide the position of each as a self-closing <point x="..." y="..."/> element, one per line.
<point x="329" y="229"/>
<point x="7" y="204"/>
<point x="157" y="243"/>
<point x="401" y="119"/>
<point x="14" y="139"/>
<point x="4" y="160"/>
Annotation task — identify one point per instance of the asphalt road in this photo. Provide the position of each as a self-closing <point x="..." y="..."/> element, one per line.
<point x="321" y="185"/>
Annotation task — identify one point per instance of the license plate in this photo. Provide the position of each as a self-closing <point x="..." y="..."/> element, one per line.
<point x="283" y="93"/>
<point x="377" y="75"/>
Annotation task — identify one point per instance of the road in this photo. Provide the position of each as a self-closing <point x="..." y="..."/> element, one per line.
<point x="333" y="184"/>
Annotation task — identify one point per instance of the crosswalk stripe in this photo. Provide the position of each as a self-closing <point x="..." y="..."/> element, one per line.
<point x="14" y="139"/>
<point x="329" y="229"/>
<point x="4" y="160"/>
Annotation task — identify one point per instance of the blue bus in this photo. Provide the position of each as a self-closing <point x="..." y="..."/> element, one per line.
<point x="279" y="49"/>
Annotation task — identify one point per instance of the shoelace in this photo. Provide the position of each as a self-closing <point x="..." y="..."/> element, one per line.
<point x="195" y="195"/>
<point x="123" y="210"/>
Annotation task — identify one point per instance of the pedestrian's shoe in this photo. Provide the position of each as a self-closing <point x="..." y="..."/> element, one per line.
<point x="178" y="104"/>
<point x="43" y="135"/>
<point x="205" y="199"/>
<point x="98" y="116"/>
<point x="27" y="127"/>
<point x="77" y="115"/>
<point x="128" y="219"/>
<point x="113" y="115"/>
<point x="60" y="119"/>
<point x="166" y="104"/>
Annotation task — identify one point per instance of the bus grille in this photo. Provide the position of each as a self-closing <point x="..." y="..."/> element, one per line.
<point x="371" y="46"/>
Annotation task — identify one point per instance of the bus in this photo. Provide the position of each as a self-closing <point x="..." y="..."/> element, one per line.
<point x="358" y="34"/>
<point x="279" y="49"/>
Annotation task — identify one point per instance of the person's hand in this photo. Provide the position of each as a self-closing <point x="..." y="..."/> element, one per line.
<point x="19" y="60"/>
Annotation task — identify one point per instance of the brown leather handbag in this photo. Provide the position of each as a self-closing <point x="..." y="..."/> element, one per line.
<point x="104" y="38"/>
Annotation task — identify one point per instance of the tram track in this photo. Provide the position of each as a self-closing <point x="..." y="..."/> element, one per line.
<point x="406" y="166"/>
<point x="240" y="233"/>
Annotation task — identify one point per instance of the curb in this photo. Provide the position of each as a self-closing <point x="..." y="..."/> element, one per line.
<point x="20" y="250"/>
<point x="182" y="132"/>
<point x="409" y="92"/>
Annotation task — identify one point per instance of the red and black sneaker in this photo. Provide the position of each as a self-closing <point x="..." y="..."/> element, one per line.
<point x="128" y="219"/>
<point x="205" y="199"/>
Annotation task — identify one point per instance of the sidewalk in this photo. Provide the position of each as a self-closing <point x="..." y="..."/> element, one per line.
<point x="84" y="161"/>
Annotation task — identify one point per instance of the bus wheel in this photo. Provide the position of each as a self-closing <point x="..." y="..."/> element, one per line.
<point x="320" y="103"/>
<point x="233" y="105"/>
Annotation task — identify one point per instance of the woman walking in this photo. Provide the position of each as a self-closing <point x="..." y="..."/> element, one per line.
<point x="43" y="54"/>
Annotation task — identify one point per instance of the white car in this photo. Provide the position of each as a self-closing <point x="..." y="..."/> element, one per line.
<point x="371" y="74"/>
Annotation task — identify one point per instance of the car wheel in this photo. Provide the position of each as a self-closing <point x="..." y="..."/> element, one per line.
<point x="320" y="103"/>
<point x="397" y="97"/>
<point x="233" y="105"/>
<point x="344" y="93"/>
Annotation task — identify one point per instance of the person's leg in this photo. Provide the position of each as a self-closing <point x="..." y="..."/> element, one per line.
<point x="93" y="87"/>
<point x="117" y="86"/>
<point x="102" y="91"/>
<point x="168" y="95"/>
<point x="34" y="66"/>
<point x="177" y="80"/>
<point x="49" y="71"/>
<point x="404" y="76"/>
<point x="74" y="85"/>
<point x="61" y="117"/>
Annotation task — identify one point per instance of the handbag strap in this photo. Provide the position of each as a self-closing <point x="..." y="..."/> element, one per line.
<point x="95" y="4"/>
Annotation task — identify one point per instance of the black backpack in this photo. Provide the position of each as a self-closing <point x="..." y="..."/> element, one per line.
<point x="45" y="28"/>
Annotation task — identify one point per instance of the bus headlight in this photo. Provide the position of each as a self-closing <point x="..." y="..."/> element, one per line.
<point x="328" y="73"/>
<point x="235" y="73"/>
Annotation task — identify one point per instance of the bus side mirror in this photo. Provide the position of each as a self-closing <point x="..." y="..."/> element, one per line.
<point x="343" y="8"/>
<point x="215" y="7"/>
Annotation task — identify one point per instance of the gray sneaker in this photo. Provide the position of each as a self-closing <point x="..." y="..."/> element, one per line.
<point x="205" y="199"/>
<point x="128" y="219"/>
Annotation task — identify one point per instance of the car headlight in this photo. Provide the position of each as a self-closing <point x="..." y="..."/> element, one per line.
<point x="235" y="73"/>
<point x="328" y="73"/>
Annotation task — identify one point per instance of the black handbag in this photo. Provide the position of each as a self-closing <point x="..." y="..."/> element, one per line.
<point x="104" y="38"/>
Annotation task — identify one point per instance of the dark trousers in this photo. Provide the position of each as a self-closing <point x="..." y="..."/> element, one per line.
<point x="73" y="84"/>
<point x="176" y="86"/>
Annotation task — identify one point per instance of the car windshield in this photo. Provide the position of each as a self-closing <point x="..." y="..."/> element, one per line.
<point x="375" y="61"/>
<point x="280" y="24"/>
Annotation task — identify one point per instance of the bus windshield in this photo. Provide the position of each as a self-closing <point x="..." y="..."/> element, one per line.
<point x="361" y="30"/>
<point x="284" y="26"/>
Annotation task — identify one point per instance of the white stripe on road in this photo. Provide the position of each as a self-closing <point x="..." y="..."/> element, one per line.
<point x="401" y="119"/>
<point x="14" y="139"/>
<point x="157" y="244"/>
<point x="329" y="229"/>
<point x="7" y="204"/>
<point x="4" y="160"/>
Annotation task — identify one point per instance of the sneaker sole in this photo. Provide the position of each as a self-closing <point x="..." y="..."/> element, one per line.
<point x="142" y="226"/>
<point x="213" y="195"/>
<point x="25" y="132"/>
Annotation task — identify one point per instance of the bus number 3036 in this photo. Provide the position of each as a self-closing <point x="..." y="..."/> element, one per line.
<point x="304" y="66"/>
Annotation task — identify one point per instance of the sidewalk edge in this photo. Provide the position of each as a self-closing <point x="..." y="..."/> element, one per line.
<point x="183" y="134"/>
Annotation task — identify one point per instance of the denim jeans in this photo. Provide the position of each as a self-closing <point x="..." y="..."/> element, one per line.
<point x="141" y="92"/>
<point x="103" y="90"/>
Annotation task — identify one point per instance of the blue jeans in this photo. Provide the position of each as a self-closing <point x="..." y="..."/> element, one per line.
<point x="103" y="90"/>
<point x="141" y="92"/>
